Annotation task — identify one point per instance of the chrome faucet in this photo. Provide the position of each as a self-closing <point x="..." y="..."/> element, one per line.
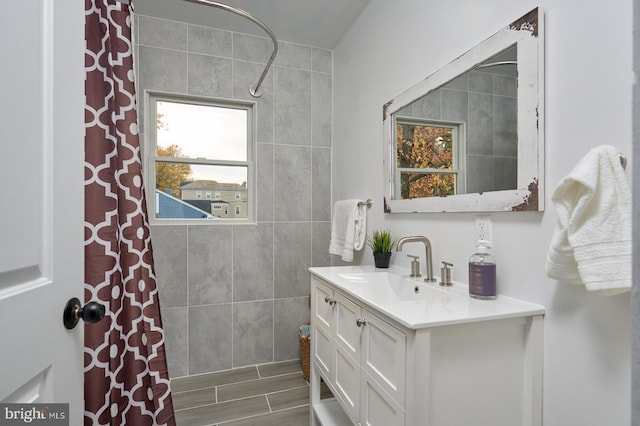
<point x="427" y="247"/>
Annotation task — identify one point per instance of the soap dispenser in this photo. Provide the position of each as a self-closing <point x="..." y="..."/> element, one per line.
<point x="482" y="273"/>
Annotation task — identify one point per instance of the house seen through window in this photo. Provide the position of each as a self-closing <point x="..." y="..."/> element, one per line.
<point x="199" y="154"/>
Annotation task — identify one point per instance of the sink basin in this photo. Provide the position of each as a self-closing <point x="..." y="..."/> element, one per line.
<point x="391" y="286"/>
<point x="414" y="303"/>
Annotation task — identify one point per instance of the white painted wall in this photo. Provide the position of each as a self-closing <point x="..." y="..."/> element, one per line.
<point x="393" y="45"/>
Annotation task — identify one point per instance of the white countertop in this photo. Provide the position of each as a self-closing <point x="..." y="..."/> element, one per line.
<point x="393" y="293"/>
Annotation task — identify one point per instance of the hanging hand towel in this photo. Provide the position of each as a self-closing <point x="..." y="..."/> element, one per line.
<point x="592" y="240"/>
<point x="348" y="228"/>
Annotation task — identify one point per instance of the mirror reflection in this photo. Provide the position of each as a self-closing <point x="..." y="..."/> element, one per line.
<point x="463" y="136"/>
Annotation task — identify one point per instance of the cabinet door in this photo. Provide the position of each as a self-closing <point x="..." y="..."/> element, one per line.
<point x="323" y="304"/>
<point x="377" y="408"/>
<point x="347" y="382"/>
<point x="384" y="356"/>
<point x="348" y="334"/>
<point x="322" y="347"/>
<point x="322" y="350"/>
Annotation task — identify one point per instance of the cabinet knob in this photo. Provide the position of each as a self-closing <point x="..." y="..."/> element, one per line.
<point x="331" y="301"/>
<point x="360" y="322"/>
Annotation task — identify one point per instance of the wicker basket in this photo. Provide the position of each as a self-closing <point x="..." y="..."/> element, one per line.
<point x="305" y="354"/>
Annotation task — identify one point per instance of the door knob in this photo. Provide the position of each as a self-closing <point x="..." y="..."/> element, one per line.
<point x="90" y="313"/>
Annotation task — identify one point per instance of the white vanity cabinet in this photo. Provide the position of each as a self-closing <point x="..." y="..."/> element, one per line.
<point x="385" y="370"/>
<point x="361" y="357"/>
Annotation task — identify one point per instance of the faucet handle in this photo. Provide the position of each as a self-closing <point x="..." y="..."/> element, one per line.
<point x="445" y="274"/>
<point x="415" y="266"/>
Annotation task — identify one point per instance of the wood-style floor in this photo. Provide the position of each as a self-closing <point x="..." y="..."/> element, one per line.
<point x="263" y="395"/>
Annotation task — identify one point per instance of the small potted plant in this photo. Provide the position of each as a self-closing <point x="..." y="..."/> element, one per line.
<point x="381" y="242"/>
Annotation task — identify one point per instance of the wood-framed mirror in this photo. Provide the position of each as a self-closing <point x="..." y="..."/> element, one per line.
<point x="470" y="137"/>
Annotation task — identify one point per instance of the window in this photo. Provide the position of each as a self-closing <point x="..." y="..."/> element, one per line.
<point x="199" y="147"/>
<point x="237" y="210"/>
<point x="429" y="157"/>
<point x="237" y="195"/>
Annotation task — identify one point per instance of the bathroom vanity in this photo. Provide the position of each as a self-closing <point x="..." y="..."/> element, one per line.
<point x="394" y="350"/>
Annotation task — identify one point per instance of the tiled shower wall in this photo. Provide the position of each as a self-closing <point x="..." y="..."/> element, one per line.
<point x="235" y="295"/>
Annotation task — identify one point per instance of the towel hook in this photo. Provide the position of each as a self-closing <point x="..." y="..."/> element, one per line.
<point x="623" y="160"/>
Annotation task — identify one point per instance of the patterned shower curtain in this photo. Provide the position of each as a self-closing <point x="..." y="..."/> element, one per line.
<point x="125" y="369"/>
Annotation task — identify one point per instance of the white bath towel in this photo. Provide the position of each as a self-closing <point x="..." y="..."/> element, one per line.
<point x="348" y="228"/>
<point x="592" y="240"/>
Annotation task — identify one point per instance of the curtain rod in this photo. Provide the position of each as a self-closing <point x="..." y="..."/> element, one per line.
<point x="255" y="88"/>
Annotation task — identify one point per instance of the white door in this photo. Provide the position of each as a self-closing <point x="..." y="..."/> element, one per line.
<point x="42" y="206"/>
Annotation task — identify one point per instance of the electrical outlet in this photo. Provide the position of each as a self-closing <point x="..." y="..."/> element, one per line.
<point x="483" y="228"/>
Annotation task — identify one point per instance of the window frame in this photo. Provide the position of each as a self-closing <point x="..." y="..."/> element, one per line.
<point x="458" y="149"/>
<point x="149" y="151"/>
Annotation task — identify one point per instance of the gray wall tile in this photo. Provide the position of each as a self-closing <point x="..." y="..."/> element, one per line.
<point x="252" y="333"/>
<point x="293" y="56"/>
<point x="481" y="82"/>
<point x="210" y="338"/>
<point x="292" y="182"/>
<point x="252" y="262"/>
<point x="210" y="41"/>
<point x="459" y="83"/>
<point x="321" y="92"/>
<point x="504" y="85"/>
<point x="170" y="257"/>
<point x="455" y="105"/>
<point x="481" y="167"/>
<point x="251" y="48"/>
<point x="429" y="106"/>
<point x="162" y="33"/>
<point x="292" y="106"/>
<point x="265" y="182"/>
<point x="210" y="76"/>
<point x="210" y="267"/>
<point x="505" y="126"/>
<point x="321" y="183"/>
<point x="176" y="332"/>
<point x="245" y="76"/>
<point x="321" y="236"/>
<point x="162" y="69"/>
<point x="480" y="129"/>
<point x="321" y="60"/>
<point x="506" y="173"/>
<point x="292" y="245"/>
<point x="289" y="315"/>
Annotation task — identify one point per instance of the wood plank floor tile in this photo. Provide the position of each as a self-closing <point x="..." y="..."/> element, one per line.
<point x="182" y="400"/>
<point x="207" y="380"/>
<point x="261" y="386"/>
<point x="217" y="413"/>
<point x="289" y="398"/>
<point x="278" y="368"/>
<point x="294" y="417"/>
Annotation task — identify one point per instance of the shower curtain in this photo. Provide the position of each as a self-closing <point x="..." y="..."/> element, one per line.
<point x="125" y="371"/>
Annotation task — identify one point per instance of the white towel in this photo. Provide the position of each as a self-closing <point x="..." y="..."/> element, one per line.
<point x="348" y="228"/>
<point x="592" y="240"/>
